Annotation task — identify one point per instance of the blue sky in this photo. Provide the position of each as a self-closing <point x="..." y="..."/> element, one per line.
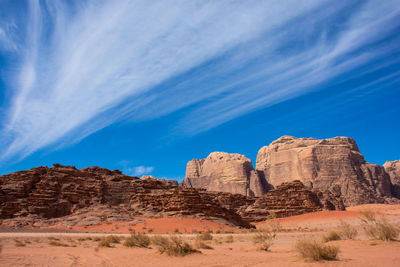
<point x="145" y="86"/>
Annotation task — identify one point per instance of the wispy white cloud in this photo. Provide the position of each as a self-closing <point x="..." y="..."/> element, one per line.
<point x="139" y="170"/>
<point x="83" y="67"/>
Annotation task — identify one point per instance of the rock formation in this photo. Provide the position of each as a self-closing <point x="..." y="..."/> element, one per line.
<point x="333" y="164"/>
<point x="224" y="172"/>
<point x="63" y="194"/>
<point x="393" y="169"/>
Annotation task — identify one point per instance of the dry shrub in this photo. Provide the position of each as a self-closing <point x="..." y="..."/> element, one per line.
<point x="57" y="243"/>
<point x="379" y="229"/>
<point x="202" y="245"/>
<point x="204" y="236"/>
<point x="316" y="250"/>
<point x="264" y="239"/>
<point x="229" y="239"/>
<point x="347" y="231"/>
<point x="104" y="242"/>
<point x="331" y="236"/>
<point x="137" y="240"/>
<point x="172" y="246"/>
<point x="19" y="243"/>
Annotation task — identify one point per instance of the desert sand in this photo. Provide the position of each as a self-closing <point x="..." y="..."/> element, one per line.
<point x="81" y="251"/>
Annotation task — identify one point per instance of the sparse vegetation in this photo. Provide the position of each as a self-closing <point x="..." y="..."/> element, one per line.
<point x="108" y="240"/>
<point x="57" y="243"/>
<point x="19" y="243"/>
<point x="202" y="245"/>
<point x="204" y="236"/>
<point x="104" y="243"/>
<point x="137" y="240"/>
<point x="379" y="229"/>
<point x="264" y="239"/>
<point x="229" y="239"/>
<point x="347" y="231"/>
<point x="316" y="250"/>
<point x="172" y="246"/>
<point x="331" y="236"/>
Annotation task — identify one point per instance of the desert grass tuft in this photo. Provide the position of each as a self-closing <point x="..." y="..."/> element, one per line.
<point x="108" y="241"/>
<point x="204" y="236"/>
<point x="137" y="240"/>
<point x="19" y="243"/>
<point x="378" y="228"/>
<point x="264" y="239"/>
<point x="331" y="236"/>
<point x="202" y="245"/>
<point x="316" y="250"/>
<point x="347" y="231"/>
<point x="58" y="243"/>
<point x="229" y="239"/>
<point x="172" y="246"/>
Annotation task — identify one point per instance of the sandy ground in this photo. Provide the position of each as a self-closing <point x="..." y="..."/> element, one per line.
<point x="33" y="249"/>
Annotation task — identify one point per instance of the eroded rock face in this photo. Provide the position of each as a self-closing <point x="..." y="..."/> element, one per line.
<point x="224" y="172"/>
<point x="65" y="195"/>
<point x="333" y="164"/>
<point x="45" y="193"/>
<point x="393" y="169"/>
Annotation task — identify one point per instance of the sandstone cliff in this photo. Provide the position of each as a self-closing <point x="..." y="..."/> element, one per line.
<point x="65" y="195"/>
<point x="393" y="169"/>
<point x="224" y="172"/>
<point x="333" y="164"/>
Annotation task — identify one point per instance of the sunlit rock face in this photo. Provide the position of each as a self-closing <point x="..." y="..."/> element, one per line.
<point x="333" y="164"/>
<point x="393" y="169"/>
<point x="224" y="172"/>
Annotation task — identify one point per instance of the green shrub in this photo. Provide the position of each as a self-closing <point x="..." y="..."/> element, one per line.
<point x="316" y="250"/>
<point x="172" y="246"/>
<point x="331" y="236"/>
<point x="137" y="240"/>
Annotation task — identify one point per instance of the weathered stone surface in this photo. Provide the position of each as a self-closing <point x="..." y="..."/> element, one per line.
<point x="333" y="164"/>
<point x="63" y="191"/>
<point x="224" y="172"/>
<point x="393" y="169"/>
<point x="65" y="195"/>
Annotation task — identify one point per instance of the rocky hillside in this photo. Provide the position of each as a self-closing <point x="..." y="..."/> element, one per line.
<point x="65" y="195"/>
<point x="333" y="165"/>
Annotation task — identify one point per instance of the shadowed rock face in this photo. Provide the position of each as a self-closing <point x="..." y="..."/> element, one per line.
<point x="224" y="172"/>
<point x="333" y="164"/>
<point x="393" y="169"/>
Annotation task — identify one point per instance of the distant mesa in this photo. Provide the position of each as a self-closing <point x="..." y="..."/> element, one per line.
<point x="224" y="172"/>
<point x="334" y="165"/>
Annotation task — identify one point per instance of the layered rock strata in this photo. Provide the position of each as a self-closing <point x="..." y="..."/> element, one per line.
<point x="224" y="172"/>
<point x="333" y="164"/>
<point x="63" y="194"/>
